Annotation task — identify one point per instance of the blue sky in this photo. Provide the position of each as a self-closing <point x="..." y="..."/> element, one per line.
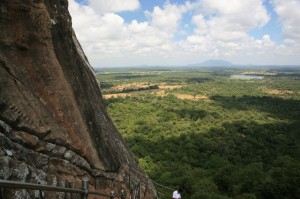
<point x="273" y="27"/>
<point x="179" y="32"/>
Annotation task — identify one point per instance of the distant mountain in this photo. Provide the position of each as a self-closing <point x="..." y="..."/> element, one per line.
<point x="214" y="62"/>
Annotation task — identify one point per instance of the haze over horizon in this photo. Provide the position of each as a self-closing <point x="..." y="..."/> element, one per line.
<point x="179" y="32"/>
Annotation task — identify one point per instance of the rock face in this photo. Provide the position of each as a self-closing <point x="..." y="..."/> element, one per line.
<point x="54" y="128"/>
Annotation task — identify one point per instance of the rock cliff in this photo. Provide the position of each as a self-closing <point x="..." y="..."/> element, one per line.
<point x="54" y="128"/>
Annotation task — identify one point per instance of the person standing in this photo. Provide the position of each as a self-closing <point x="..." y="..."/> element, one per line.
<point x="177" y="194"/>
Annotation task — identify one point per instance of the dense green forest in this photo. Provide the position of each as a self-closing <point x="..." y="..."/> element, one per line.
<point x="217" y="137"/>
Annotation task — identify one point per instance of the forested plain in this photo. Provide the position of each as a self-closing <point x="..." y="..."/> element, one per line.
<point x="215" y="136"/>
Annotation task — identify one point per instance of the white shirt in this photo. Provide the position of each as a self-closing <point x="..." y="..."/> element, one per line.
<point x="176" y="195"/>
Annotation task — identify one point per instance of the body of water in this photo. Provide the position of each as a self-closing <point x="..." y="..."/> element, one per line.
<point x="246" y="77"/>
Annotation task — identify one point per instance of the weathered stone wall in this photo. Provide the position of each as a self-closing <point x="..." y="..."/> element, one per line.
<point x="53" y="125"/>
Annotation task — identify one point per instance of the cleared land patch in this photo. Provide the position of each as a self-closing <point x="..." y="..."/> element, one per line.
<point x="108" y="96"/>
<point x="161" y="91"/>
<point x="136" y="86"/>
<point x="278" y="92"/>
<point x="163" y="86"/>
<point x="131" y="85"/>
<point x="191" y="97"/>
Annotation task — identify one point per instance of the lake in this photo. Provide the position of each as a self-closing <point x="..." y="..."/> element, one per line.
<point x="246" y="77"/>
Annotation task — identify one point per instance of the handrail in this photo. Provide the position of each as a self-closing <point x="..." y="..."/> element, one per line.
<point x="25" y="185"/>
<point x="84" y="191"/>
<point x="152" y="180"/>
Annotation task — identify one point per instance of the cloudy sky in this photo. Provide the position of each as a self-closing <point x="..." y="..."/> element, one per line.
<point x="179" y="32"/>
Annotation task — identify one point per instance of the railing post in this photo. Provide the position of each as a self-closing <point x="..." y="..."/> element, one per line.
<point x="2" y="193"/>
<point x="139" y="190"/>
<point x="122" y="194"/>
<point x="85" y="187"/>
<point x="111" y="195"/>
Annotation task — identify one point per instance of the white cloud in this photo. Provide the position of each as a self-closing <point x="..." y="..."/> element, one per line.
<point x="106" y="38"/>
<point x="90" y="26"/>
<point x="168" y="17"/>
<point x="289" y="15"/>
<point x="105" y="6"/>
<point x="246" y="13"/>
<point x="201" y="24"/>
<point x="194" y="39"/>
<point x="230" y="20"/>
<point x="220" y="30"/>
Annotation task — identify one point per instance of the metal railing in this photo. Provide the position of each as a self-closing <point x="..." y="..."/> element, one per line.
<point x="135" y="190"/>
<point x="84" y="192"/>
